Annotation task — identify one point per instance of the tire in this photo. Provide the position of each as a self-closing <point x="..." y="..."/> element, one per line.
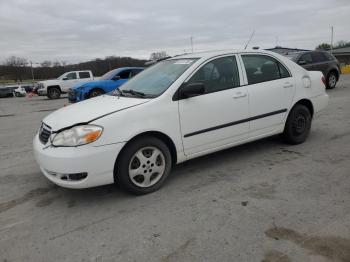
<point x="95" y="92"/>
<point x="53" y="92"/>
<point x="143" y="165"/>
<point x="298" y="125"/>
<point x="332" y="79"/>
<point x="16" y="94"/>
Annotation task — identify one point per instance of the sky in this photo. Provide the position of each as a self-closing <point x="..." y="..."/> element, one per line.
<point x="80" y="30"/>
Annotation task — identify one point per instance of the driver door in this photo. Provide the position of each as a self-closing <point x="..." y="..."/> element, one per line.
<point x="215" y="118"/>
<point x="69" y="81"/>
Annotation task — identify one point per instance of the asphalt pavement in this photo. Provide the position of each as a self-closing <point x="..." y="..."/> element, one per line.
<point x="263" y="201"/>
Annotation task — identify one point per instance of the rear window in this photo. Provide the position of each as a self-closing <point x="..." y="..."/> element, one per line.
<point x="84" y="75"/>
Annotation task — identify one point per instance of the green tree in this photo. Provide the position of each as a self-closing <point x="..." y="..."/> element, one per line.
<point x="323" y="46"/>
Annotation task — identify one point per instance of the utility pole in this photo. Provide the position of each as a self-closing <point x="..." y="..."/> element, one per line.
<point x="31" y="66"/>
<point x="332" y="36"/>
<point x="191" y="43"/>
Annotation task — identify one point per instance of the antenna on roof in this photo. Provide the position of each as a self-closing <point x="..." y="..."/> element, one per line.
<point x="191" y="43"/>
<point x="250" y="39"/>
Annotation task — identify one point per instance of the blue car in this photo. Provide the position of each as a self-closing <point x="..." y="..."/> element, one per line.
<point x="107" y="83"/>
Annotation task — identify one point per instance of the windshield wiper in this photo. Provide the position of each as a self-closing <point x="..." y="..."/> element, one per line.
<point x="133" y="92"/>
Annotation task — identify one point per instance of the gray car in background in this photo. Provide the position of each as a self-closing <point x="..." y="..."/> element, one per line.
<point x="6" y="91"/>
<point x="319" y="61"/>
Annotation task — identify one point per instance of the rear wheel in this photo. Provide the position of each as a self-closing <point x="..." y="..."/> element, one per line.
<point x="298" y="125"/>
<point x="143" y="165"/>
<point x="54" y="93"/>
<point x="96" y="92"/>
<point x="332" y="80"/>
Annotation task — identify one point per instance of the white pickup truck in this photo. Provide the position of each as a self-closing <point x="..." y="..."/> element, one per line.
<point x="53" y="88"/>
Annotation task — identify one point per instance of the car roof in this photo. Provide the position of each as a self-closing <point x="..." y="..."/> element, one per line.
<point x="210" y="54"/>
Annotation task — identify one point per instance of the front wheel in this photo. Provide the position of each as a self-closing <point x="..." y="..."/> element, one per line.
<point x="298" y="125"/>
<point x="53" y="93"/>
<point x="331" y="80"/>
<point x="143" y="165"/>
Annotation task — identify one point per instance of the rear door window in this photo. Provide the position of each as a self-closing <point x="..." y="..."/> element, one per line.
<point x="83" y="75"/>
<point x="262" y="68"/>
<point x="307" y="58"/>
<point x="318" y="57"/>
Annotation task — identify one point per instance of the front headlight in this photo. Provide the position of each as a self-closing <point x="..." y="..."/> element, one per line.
<point x="77" y="136"/>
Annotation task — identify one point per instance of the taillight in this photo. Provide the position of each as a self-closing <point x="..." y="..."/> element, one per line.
<point x="323" y="80"/>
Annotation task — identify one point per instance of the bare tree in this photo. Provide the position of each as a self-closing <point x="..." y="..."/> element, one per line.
<point x="46" y="63"/>
<point x="56" y="64"/>
<point x="158" y="55"/>
<point x="17" y="66"/>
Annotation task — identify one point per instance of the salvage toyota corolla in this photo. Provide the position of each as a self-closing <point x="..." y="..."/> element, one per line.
<point x="178" y="109"/>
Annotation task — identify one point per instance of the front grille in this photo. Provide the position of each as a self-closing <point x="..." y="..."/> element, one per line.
<point x="72" y="96"/>
<point x="44" y="133"/>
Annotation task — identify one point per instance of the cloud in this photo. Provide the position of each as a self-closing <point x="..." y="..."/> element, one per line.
<point x="82" y="30"/>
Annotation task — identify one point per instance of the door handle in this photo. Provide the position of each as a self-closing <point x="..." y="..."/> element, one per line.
<point x="288" y="85"/>
<point x="239" y="95"/>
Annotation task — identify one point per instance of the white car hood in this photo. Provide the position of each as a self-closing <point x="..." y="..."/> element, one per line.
<point x="50" y="81"/>
<point x="89" y="110"/>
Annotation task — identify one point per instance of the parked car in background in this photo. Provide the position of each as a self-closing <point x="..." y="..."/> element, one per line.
<point x="319" y="61"/>
<point x="107" y="83"/>
<point x="55" y="87"/>
<point x="6" y="91"/>
<point x="19" y="91"/>
<point x="178" y="109"/>
<point x="28" y="87"/>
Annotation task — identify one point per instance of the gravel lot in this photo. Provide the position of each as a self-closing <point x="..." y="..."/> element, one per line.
<point x="264" y="201"/>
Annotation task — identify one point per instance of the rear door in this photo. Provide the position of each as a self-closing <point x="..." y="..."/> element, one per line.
<point x="307" y="59"/>
<point x="320" y="62"/>
<point x="271" y="89"/>
<point x="215" y="118"/>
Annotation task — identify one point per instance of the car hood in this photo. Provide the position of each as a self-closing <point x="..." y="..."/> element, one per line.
<point x="49" y="82"/>
<point x="89" y="110"/>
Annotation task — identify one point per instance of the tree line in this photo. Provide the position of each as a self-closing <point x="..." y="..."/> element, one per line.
<point x="19" y="69"/>
<point x="326" y="46"/>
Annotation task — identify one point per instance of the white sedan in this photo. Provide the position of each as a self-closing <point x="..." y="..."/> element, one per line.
<point x="178" y="109"/>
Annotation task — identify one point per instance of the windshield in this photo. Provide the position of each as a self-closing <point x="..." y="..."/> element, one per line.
<point x="109" y="75"/>
<point x="61" y="77"/>
<point x="153" y="81"/>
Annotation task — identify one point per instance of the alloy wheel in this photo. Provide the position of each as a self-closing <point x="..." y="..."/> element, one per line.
<point x="147" y="166"/>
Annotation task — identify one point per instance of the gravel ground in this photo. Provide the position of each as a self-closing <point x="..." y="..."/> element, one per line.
<point x="264" y="201"/>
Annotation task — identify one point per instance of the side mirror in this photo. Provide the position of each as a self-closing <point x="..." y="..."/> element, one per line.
<point x="190" y="90"/>
<point x="116" y="78"/>
<point x="65" y="78"/>
<point x="302" y="62"/>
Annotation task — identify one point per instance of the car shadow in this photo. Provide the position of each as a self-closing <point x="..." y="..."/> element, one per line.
<point x="184" y="171"/>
